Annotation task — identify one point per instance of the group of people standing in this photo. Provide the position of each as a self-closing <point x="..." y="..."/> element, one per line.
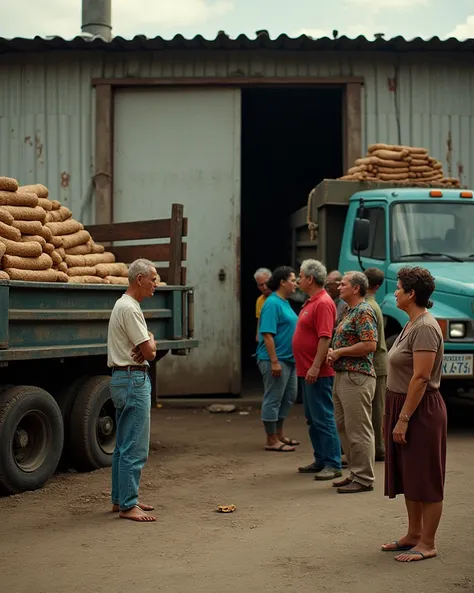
<point x="357" y="399"/>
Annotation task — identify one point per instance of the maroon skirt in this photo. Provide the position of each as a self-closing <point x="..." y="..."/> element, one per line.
<point x="417" y="469"/>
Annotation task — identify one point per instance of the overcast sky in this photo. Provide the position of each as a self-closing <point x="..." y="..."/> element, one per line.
<point x="410" y="18"/>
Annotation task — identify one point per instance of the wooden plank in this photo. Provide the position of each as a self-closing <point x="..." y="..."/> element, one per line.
<point x="103" y="155"/>
<point x="155" y="253"/>
<point x="130" y="231"/>
<point x="239" y="81"/>
<point x="353" y="124"/>
<point x="177" y="255"/>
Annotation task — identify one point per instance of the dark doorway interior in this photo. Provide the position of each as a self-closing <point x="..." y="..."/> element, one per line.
<point x="292" y="138"/>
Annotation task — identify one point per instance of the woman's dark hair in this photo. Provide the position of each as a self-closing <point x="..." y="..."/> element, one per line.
<point x="279" y="274"/>
<point x="420" y="281"/>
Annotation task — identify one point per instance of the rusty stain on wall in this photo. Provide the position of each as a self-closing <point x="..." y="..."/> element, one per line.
<point x="449" y="154"/>
<point x="460" y="171"/>
<point x="28" y="140"/>
<point x="65" y="178"/>
<point x="39" y="147"/>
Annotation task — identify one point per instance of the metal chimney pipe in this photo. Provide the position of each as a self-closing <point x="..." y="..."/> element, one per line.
<point x="97" y="18"/>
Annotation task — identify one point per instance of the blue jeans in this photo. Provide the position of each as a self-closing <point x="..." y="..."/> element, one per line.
<point x="279" y="392"/>
<point x="319" y="412"/>
<point x="131" y="394"/>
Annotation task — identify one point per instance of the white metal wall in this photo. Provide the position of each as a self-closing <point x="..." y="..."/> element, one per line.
<point x="184" y="146"/>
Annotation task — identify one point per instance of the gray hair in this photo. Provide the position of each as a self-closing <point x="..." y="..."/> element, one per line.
<point x="139" y="266"/>
<point x="359" y="279"/>
<point x="314" y="268"/>
<point x="262" y="272"/>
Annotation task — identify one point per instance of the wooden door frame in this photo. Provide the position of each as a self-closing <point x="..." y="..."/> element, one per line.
<point x="104" y="119"/>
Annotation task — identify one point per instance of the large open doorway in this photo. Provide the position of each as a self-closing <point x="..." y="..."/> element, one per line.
<point x="292" y="138"/>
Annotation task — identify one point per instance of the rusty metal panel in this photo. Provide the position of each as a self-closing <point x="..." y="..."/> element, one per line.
<point x="183" y="145"/>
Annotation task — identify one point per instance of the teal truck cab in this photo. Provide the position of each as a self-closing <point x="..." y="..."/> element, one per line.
<point x="384" y="226"/>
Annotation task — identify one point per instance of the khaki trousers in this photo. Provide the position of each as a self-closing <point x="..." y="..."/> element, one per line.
<point x="352" y="395"/>
<point x="378" y="409"/>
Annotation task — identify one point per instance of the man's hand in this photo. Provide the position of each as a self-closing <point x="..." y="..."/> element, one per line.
<point x="312" y="375"/>
<point x="137" y="355"/>
<point x="333" y="356"/>
<point x="276" y="369"/>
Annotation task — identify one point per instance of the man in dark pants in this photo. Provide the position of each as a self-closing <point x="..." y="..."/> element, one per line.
<point x="311" y="342"/>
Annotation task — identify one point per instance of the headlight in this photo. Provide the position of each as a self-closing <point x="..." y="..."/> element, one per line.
<point x="457" y="330"/>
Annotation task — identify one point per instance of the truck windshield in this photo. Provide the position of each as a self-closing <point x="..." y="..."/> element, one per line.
<point x="430" y="230"/>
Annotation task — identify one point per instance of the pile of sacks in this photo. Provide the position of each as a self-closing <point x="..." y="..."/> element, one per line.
<point x="41" y="242"/>
<point x="402" y="164"/>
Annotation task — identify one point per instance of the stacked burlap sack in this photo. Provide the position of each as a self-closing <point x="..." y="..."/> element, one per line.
<point x="40" y="241"/>
<point x="403" y="164"/>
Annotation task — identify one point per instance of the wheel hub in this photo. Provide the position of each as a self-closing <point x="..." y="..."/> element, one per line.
<point x="21" y="438"/>
<point x="106" y="425"/>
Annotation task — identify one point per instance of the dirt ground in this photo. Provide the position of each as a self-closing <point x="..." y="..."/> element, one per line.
<point x="289" y="533"/>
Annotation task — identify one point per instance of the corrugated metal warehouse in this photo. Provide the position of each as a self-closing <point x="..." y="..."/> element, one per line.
<point x="237" y="130"/>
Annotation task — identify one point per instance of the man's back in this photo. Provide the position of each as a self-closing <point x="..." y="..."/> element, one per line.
<point x="127" y="329"/>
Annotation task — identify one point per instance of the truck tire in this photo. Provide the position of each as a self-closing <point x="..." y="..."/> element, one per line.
<point x="31" y="438"/>
<point x="65" y="399"/>
<point x="92" y="425"/>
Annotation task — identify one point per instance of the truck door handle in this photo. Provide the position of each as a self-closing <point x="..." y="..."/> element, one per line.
<point x="221" y="275"/>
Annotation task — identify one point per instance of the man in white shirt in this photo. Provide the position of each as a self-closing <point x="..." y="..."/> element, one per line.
<point x="129" y="348"/>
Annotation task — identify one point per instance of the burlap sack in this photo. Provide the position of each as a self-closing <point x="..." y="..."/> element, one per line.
<point x="4" y="275"/>
<point x="62" y="267"/>
<point x="421" y="169"/>
<point x="8" y="184"/>
<point x="391" y="155"/>
<point x="38" y="238"/>
<point x="9" y="232"/>
<point x="116" y="280"/>
<point x="357" y="169"/>
<point x="367" y="160"/>
<point x="28" y="227"/>
<point x="22" y="249"/>
<point x="432" y="173"/>
<point x="5" y="216"/>
<point x="48" y="248"/>
<point x="64" y="228"/>
<point x="60" y="215"/>
<point x="85" y="280"/>
<point x="3" y="248"/>
<point x="104" y="270"/>
<point x="18" y="198"/>
<point x="55" y="204"/>
<point x="90" y="260"/>
<point x="47" y="234"/>
<point x="57" y="259"/>
<point x="351" y="178"/>
<point x="61" y="252"/>
<point x="84" y="249"/>
<point x="62" y="277"/>
<point x="393" y="176"/>
<point x="45" y="204"/>
<point x="415" y="150"/>
<point x="75" y="239"/>
<point x="32" y="275"/>
<point x="56" y="241"/>
<point x="25" y="213"/>
<point x="40" y="190"/>
<point x="97" y="248"/>
<point x="417" y="162"/>
<point x="380" y="146"/>
<point x="43" y="262"/>
<point x="82" y="271"/>
<point x="392" y="170"/>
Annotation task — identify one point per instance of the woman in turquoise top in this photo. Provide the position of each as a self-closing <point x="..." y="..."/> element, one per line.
<point x="275" y="358"/>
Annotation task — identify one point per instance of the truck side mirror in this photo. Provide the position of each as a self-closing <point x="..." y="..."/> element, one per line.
<point x="361" y="233"/>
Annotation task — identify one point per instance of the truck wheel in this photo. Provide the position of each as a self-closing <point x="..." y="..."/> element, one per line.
<point x="31" y="438"/>
<point x="390" y="341"/>
<point x="92" y="425"/>
<point x="65" y="400"/>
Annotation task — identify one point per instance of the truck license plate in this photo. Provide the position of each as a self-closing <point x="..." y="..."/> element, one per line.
<point x="459" y="365"/>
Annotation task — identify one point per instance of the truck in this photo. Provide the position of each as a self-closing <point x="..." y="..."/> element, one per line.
<point x="55" y="406"/>
<point x="357" y="225"/>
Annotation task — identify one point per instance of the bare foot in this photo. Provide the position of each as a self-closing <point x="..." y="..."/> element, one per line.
<point x="417" y="553"/>
<point x="136" y="514"/>
<point x="404" y="543"/>
<point x="280" y="447"/>
<point x="142" y="506"/>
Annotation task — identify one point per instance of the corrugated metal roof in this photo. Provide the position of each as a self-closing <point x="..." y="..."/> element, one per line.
<point x="242" y="43"/>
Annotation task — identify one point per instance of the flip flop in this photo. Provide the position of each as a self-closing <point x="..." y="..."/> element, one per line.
<point x="397" y="548"/>
<point x="290" y="442"/>
<point x="280" y="449"/>
<point x="415" y="553"/>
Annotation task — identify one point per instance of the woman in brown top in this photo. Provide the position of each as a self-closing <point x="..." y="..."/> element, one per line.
<point x="415" y="418"/>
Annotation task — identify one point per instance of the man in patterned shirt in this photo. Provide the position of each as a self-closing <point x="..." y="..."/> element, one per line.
<point x="354" y="342"/>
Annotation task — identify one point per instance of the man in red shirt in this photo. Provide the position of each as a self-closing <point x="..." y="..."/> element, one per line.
<point x="311" y="342"/>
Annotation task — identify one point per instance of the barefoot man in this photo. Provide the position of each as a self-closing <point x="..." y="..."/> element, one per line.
<point x="129" y="348"/>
